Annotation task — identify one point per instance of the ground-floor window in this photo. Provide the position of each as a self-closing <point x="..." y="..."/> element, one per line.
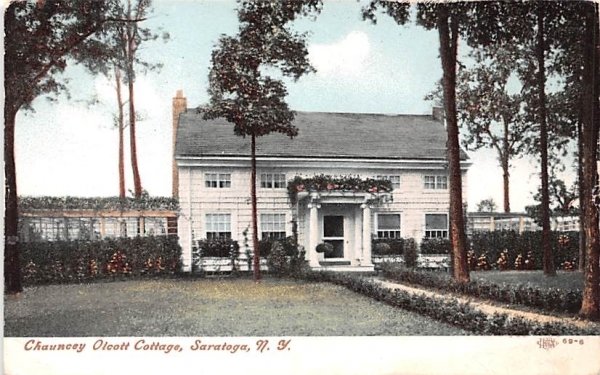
<point x="436" y="226"/>
<point x="272" y="226"/>
<point x="218" y="226"/>
<point x="388" y="226"/>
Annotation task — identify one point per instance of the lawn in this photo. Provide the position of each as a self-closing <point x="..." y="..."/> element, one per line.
<point x="208" y="307"/>
<point x="566" y="280"/>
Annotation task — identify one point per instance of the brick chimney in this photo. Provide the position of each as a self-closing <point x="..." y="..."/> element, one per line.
<point x="438" y="114"/>
<point x="179" y="106"/>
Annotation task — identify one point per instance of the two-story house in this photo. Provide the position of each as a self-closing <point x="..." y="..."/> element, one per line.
<point x="211" y="176"/>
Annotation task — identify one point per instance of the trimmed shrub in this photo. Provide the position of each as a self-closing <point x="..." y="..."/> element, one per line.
<point x="388" y="246"/>
<point x="220" y="248"/>
<point x="435" y="246"/>
<point x="77" y="261"/>
<point x="286" y="259"/>
<point x="565" y="301"/>
<point x="288" y="244"/>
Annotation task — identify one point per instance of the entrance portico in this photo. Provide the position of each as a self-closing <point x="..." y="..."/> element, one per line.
<point x="342" y="219"/>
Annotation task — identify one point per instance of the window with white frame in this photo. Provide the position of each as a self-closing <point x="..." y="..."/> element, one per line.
<point x="395" y="180"/>
<point x="217" y="180"/>
<point x="218" y="226"/>
<point x="435" y="182"/>
<point x="272" y="226"/>
<point x="436" y="226"/>
<point x="272" y="181"/>
<point x="388" y="225"/>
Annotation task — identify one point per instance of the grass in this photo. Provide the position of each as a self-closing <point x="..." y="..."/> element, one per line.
<point x="208" y="307"/>
<point x="566" y="280"/>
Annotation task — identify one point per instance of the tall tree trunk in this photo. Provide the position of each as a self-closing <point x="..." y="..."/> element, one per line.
<point x="256" y="256"/>
<point x="590" y="305"/>
<point x="583" y="203"/>
<point x="12" y="256"/>
<point x="548" y="261"/>
<point x="448" y="33"/>
<point x="506" y="182"/>
<point x="504" y="159"/>
<point x="137" y="183"/>
<point x="120" y="125"/>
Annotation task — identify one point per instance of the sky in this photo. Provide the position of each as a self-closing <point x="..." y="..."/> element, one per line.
<point x="69" y="147"/>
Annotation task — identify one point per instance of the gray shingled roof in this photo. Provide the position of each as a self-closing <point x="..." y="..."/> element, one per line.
<point x="321" y="135"/>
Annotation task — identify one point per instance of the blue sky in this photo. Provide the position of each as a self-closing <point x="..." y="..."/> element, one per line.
<point x="68" y="147"/>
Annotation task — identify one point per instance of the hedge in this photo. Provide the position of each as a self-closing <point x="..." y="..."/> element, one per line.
<point x="388" y="246"/>
<point x="220" y="248"/>
<point x="450" y="311"/>
<point x="548" y="299"/>
<point x="435" y="246"/>
<point x="77" y="261"/>
<point x="488" y="248"/>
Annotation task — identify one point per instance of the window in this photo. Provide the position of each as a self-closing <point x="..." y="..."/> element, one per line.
<point x="436" y="226"/>
<point x="388" y="226"/>
<point x="395" y="180"/>
<point x="217" y="180"/>
<point x="218" y="226"/>
<point x="436" y="182"/>
<point x="272" y="226"/>
<point x="272" y="181"/>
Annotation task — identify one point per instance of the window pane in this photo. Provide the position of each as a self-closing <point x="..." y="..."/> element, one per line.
<point x="388" y="221"/>
<point x="436" y="221"/>
<point x="429" y="182"/>
<point x="442" y="182"/>
<point x="333" y="226"/>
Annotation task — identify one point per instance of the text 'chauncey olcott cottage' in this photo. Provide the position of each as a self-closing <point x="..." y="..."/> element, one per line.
<point x="212" y="180"/>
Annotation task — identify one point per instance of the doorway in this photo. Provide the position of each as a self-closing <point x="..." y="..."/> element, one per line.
<point x="333" y="233"/>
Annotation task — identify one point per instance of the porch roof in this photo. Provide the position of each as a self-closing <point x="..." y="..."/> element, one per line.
<point x="321" y="135"/>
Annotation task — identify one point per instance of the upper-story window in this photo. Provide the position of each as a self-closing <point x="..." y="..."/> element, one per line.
<point x="435" y="182"/>
<point x="217" y="180"/>
<point x="436" y="226"/>
<point x="272" y="226"/>
<point x="272" y="181"/>
<point x="395" y="180"/>
<point x="218" y="226"/>
<point x="388" y="226"/>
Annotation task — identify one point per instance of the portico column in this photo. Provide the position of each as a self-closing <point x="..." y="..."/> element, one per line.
<point x="313" y="239"/>
<point x="365" y="259"/>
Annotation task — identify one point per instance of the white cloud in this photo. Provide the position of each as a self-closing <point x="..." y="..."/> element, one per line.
<point x="348" y="56"/>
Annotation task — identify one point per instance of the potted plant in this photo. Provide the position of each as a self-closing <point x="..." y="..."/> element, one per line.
<point x="325" y="248"/>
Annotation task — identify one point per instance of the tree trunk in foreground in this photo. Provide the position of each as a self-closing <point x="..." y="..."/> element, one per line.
<point x="120" y="125"/>
<point x="12" y="256"/>
<point x="590" y="305"/>
<point x="256" y="256"/>
<point x="548" y="259"/>
<point x="448" y="33"/>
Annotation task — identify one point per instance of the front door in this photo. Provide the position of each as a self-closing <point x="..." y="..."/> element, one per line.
<point x="333" y="233"/>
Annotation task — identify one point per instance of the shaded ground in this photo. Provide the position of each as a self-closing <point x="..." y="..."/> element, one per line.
<point x="208" y="307"/>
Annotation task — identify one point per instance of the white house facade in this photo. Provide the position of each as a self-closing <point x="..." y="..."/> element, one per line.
<point x="212" y="180"/>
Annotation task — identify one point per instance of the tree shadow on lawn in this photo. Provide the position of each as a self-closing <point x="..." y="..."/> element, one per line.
<point x="209" y="307"/>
